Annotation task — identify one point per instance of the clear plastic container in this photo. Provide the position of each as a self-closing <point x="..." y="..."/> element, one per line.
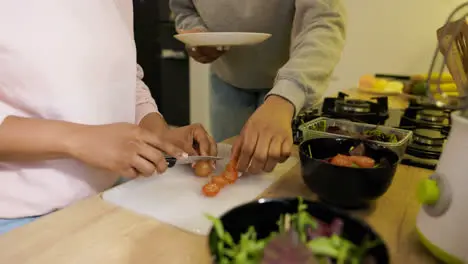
<point x="317" y="129"/>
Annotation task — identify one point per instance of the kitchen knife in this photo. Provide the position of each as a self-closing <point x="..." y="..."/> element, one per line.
<point x="171" y="161"/>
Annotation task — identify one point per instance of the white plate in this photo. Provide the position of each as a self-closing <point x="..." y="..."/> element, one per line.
<point x="215" y="39"/>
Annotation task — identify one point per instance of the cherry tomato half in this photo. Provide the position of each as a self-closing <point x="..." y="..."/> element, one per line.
<point x="231" y="166"/>
<point x="220" y="181"/>
<point x="341" y="160"/>
<point x="363" y="161"/>
<point x="230" y="176"/>
<point x="211" y="189"/>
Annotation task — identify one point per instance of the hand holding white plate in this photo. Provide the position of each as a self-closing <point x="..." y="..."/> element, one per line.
<point x="216" y="39"/>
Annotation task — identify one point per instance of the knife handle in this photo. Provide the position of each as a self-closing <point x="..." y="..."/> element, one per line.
<point x="171" y="161"/>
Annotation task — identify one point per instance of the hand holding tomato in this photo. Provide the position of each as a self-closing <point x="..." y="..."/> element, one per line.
<point x="266" y="138"/>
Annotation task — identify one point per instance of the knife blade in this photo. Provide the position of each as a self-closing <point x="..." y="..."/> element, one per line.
<point x="171" y="161"/>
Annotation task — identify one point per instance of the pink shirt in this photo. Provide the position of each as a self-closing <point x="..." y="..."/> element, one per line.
<point x="65" y="60"/>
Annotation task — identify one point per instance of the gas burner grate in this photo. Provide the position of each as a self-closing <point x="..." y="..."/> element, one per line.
<point x="352" y="106"/>
<point x="430" y="125"/>
<point x="371" y="112"/>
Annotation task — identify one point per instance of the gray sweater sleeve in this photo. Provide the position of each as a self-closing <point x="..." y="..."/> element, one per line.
<point x="318" y="36"/>
<point x="186" y="15"/>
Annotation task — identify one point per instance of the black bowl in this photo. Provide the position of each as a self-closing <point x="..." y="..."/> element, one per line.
<point x="264" y="213"/>
<point x="345" y="187"/>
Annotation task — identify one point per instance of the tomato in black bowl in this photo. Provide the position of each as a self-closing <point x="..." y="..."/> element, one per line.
<point x="348" y="187"/>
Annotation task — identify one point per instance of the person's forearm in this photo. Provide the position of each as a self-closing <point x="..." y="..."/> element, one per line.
<point x="28" y="139"/>
<point x="186" y="16"/>
<point x="318" y="39"/>
<point x="145" y="103"/>
<point x="147" y="114"/>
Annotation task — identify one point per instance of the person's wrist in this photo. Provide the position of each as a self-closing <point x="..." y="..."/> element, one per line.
<point x="72" y="141"/>
<point x="281" y="105"/>
<point x="155" y="123"/>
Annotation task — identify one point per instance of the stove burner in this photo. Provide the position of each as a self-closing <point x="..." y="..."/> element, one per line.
<point x="428" y="137"/>
<point x="433" y="116"/>
<point x="370" y="112"/>
<point x="430" y="125"/>
<point x="352" y="106"/>
<point x="426" y="116"/>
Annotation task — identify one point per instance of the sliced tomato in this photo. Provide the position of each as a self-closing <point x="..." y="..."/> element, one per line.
<point x="220" y="181"/>
<point x="230" y="176"/>
<point x="231" y="166"/>
<point x="211" y="189"/>
<point x="341" y="160"/>
<point x="363" y="161"/>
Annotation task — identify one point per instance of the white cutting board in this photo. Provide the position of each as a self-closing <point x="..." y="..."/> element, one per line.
<point x="175" y="197"/>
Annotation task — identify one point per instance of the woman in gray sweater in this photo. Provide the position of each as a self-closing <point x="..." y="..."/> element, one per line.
<point x="257" y="90"/>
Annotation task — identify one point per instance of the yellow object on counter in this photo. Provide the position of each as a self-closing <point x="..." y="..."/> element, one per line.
<point x="380" y="84"/>
<point x="446" y="77"/>
<point x="441" y="98"/>
<point x="446" y="87"/>
<point x="367" y="81"/>
<point x="452" y="93"/>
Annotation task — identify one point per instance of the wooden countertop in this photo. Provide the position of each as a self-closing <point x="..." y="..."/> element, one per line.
<point x="94" y="231"/>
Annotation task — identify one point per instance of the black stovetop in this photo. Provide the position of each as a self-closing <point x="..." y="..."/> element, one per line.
<point x="341" y="107"/>
<point x="366" y="111"/>
<point x="430" y="125"/>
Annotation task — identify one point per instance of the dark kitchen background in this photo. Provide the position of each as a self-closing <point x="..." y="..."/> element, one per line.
<point x="163" y="59"/>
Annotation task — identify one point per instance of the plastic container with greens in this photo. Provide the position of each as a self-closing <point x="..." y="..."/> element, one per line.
<point x="393" y="138"/>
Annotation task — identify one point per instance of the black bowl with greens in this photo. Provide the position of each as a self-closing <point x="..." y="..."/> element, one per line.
<point x="293" y="231"/>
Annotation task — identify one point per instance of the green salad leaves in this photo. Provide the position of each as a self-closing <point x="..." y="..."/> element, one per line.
<point x="300" y="239"/>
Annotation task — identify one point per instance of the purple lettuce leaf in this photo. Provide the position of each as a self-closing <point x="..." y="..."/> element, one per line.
<point x="336" y="227"/>
<point x="359" y="150"/>
<point x="287" y="248"/>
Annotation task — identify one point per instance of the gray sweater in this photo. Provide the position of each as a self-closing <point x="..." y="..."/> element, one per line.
<point x="297" y="61"/>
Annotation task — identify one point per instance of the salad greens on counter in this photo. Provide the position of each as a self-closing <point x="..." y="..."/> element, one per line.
<point x="300" y="238"/>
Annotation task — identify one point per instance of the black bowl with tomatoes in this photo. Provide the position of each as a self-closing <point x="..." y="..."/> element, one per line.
<point x="347" y="173"/>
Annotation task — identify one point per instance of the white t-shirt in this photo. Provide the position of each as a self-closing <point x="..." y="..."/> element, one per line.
<point x="71" y="60"/>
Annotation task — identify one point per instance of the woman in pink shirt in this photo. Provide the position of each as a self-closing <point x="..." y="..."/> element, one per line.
<point x="74" y="113"/>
